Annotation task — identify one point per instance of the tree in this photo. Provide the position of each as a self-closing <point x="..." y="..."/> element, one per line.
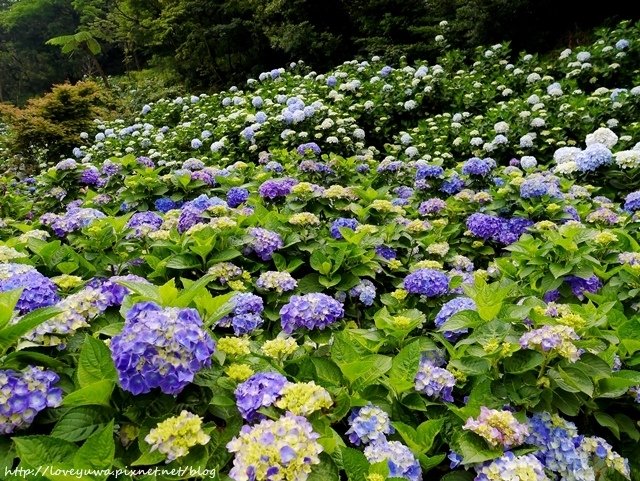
<point x="81" y="42"/>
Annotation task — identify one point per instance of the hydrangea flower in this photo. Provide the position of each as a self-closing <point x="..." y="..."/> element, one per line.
<point x="557" y="338"/>
<point x="174" y="436"/>
<point x="427" y="282"/>
<point x="286" y="448"/>
<point x="260" y="390"/>
<point x="450" y="308"/>
<point x="432" y="206"/>
<point x="237" y="196"/>
<point x="365" y="292"/>
<point x="143" y="222"/>
<point x="111" y="288"/>
<point x="343" y="223"/>
<point x="192" y="212"/>
<point x="632" y="201"/>
<point x="478" y="167"/>
<point x="74" y="219"/>
<point x="368" y="424"/>
<point x="433" y="380"/>
<point x="274" y="188"/>
<point x="310" y="311"/>
<point x="304" y="398"/>
<point x="264" y="242"/>
<point x="160" y="348"/>
<point x="498" y="428"/>
<point x="24" y="394"/>
<point x="276" y="281"/>
<point x="246" y="315"/>
<point x="401" y="461"/>
<point x="37" y="290"/>
<point x="510" y="467"/>
<point x="579" y="285"/>
<point x="593" y="157"/>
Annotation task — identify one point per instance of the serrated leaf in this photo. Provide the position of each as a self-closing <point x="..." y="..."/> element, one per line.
<point x="95" y="363"/>
<point x="80" y="423"/>
<point x="98" y="393"/>
<point x="98" y="451"/>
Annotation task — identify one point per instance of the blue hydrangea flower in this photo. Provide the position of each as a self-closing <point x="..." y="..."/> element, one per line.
<point x="401" y="461"/>
<point x="24" y="394"/>
<point x="192" y="211"/>
<point x="579" y="285"/>
<point x="510" y="467"/>
<point x="246" y="315"/>
<point x="449" y="309"/>
<point x="478" y="167"/>
<point x="593" y="157"/>
<point x="452" y="185"/>
<point x="365" y="292"/>
<point x="237" y="196"/>
<point x="160" y="348"/>
<point x="386" y="252"/>
<point x="165" y="204"/>
<point x="368" y="424"/>
<point x="260" y="390"/>
<point x="539" y="185"/>
<point x="37" y="290"/>
<point x="113" y="291"/>
<point x="427" y="282"/>
<point x="429" y="172"/>
<point x="433" y="380"/>
<point x="311" y="311"/>
<point x="632" y="201"/>
<point x="144" y="222"/>
<point x="344" y="223"/>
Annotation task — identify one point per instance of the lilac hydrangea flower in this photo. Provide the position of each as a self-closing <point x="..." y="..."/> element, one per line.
<point x="143" y="223"/>
<point x="427" y="282"/>
<point x="432" y="206"/>
<point x="192" y="211"/>
<point x="311" y="311"/>
<point x="260" y="390"/>
<point x="160" y="348"/>
<point x="112" y="290"/>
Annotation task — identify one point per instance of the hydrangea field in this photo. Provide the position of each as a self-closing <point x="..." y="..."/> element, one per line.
<point x="425" y="271"/>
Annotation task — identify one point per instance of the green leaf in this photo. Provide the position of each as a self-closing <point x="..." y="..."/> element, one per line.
<point x="143" y="289"/>
<point x="405" y="364"/>
<point x="98" y="451"/>
<point x="183" y="262"/>
<point x="192" y="291"/>
<point x="607" y="421"/>
<point x="8" y="301"/>
<point x="355" y="464"/>
<point x="37" y="451"/>
<point x="98" y="393"/>
<point x="522" y="361"/>
<point x="474" y="449"/>
<point x="9" y="335"/>
<point x="168" y="292"/>
<point x="310" y="283"/>
<point x="95" y="363"/>
<point x="80" y="423"/>
<point x="427" y="431"/>
<point x="325" y="471"/>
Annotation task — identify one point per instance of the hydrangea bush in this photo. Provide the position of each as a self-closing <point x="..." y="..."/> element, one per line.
<point x="405" y="271"/>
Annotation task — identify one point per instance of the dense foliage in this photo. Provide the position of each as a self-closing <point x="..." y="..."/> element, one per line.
<point x="208" y="44"/>
<point x="427" y="271"/>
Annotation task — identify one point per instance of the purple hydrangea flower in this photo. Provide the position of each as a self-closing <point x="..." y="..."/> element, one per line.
<point x="112" y="290"/>
<point x="632" y="201"/>
<point x="24" y="394"/>
<point x="90" y="176"/>
<point x="386" y="252"/>
<point x="260" y="390"/>
<point x="429" y="171"/>
<point x="192" y="211"/>
<point x="37" y="290"/>
<point x="74" y="219"/>
<point x="264" y="242"/>
<point x="311" y="311"/>
<point x="427" y="282"/>
<point x="579" y="285"/>
<point x="310" y="147"/>
<point x="273" y="188"/>
<point x="432" y="206"/>
<point x="145" y="162"/>
<point x="160" y="348"/>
